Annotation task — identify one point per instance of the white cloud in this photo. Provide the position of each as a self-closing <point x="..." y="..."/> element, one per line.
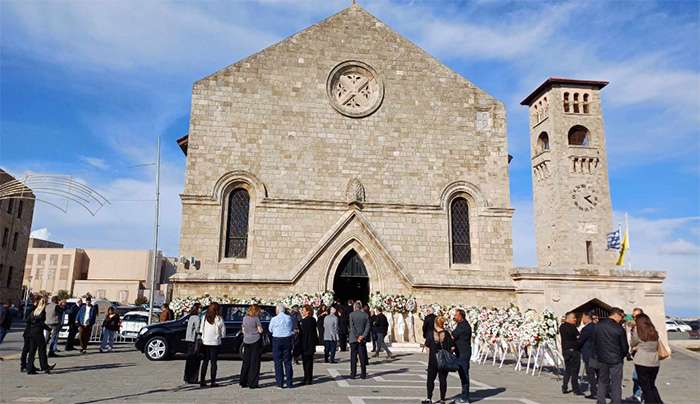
<point x="95" y="162"/>
<point x="515" y="36"/>
<point x="126" y="35"/>
<point x="679" y="247"/>
<point x="127" y="221"/>
<point x="41" y="234"/>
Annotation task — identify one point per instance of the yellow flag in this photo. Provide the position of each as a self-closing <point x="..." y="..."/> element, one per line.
<point x="623" y="249"/>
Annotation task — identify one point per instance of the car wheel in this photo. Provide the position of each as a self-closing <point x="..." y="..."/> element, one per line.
<point x="156" y="349"/>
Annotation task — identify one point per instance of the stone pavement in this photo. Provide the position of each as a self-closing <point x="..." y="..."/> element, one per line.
<point x="127" y="376"/>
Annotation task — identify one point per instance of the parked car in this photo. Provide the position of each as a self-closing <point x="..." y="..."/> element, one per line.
<point x="676" y="326"/>
<point x="163" y="340"/>
<point x="123" y="309"/>
<point x="133" y="321"/>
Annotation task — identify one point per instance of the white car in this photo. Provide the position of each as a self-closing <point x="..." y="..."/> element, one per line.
<point x="676" y="326"/>
<point x="134" y="321"/>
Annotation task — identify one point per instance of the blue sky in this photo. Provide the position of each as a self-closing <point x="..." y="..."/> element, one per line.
<point x="87" y="86"/>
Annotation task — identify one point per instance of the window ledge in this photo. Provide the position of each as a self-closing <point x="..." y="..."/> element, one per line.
<point x="465" y="267"/>
<point x="236" y="261"/>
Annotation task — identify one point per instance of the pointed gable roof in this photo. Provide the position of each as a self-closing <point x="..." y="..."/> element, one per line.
<point x="350" y="16"/>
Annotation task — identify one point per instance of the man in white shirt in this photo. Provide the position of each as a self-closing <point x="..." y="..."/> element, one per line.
<point x="282" y="330"/>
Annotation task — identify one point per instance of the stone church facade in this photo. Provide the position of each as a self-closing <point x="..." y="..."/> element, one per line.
<point x="347" y="158"/>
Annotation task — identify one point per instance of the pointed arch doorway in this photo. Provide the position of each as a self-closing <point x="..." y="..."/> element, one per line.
<point x="351" y="280"/>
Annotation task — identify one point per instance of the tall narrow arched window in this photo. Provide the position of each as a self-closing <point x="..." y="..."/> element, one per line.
<point x="586" y="108"/>
<point x="576" y="109"/>
<point x="566" y="102"/>
<point x="237" y="224"/>
<point x="542" y="142"/>
<point x="459" y="217"/>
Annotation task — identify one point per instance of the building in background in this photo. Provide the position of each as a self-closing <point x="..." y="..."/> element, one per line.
<point x="15" y="226"/>
<point x="39" y="243"/>
<point x="50" y="267"/>
<point x="116" y="275"/>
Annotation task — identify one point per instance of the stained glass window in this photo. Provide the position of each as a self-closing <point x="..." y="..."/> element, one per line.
<point x="237" y="224"/>
<point x="459" y="214"/>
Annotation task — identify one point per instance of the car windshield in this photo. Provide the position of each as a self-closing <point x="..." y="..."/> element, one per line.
<point x="135" y="318"/>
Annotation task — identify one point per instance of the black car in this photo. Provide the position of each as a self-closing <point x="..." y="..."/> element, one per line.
<point x="162" y="340"/>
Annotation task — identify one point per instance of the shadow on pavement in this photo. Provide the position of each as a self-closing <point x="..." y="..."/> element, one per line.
<point x="479" y="395"/>
<point x="188" y="387"/>
<point x="73" y="369"/>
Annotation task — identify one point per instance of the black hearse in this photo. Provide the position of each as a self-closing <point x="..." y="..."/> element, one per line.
<point x="161" y="341"/>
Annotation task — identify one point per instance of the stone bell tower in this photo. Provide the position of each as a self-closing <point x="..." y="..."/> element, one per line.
<point x="571" y="191"/>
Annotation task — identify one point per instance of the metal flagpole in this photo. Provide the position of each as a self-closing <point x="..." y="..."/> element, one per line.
<point x="627" y="233"/>
<point x="155" y="236"/>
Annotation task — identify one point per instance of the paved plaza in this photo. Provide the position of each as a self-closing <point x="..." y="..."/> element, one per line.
<point x="127" y="376"/>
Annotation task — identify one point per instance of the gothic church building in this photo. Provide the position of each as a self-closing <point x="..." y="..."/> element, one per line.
<point x="346" y="158"/>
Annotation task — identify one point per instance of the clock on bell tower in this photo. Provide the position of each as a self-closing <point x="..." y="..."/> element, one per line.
<point x="571" y="191"/>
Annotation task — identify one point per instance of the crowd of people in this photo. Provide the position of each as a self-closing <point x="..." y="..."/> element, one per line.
<point x="295" y="333"/>
<point x="44" y="323"/>
<point x="603" y="345"/>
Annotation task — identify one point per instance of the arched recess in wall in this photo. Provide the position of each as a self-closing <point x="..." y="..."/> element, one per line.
<point x="542" y="142"/>
<point x="238" y="194"/>
<point x="223" y="184"/>
<point x="579" y="136"/>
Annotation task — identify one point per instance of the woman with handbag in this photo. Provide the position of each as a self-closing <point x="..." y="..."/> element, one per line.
<point x="213" y="330"/>
<point x="439" y="343"/>
<point x="252" y="348"/>
<point x="649" y="350"/>
<point x="194" y="342"/>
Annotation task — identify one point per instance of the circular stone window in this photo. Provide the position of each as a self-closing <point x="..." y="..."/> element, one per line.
<point x="355" y="89"/>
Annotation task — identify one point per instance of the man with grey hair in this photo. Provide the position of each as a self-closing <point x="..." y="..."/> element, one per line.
<point x="330" y="336"/>
<point x="282" y="330"/>
<point x="359" y="331"/>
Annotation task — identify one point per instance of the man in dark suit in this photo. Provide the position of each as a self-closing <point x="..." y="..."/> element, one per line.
<point x="72" y="312"/>
<point x="572" y="357"/>
<point x="309" y="339"/>
<point x="610" y="349"/>
<point x="585" y="345"/>
<point x="359" y="331"/>
<point x="462" y="336"/>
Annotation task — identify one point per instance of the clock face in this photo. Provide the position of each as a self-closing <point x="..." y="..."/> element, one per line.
<point x="585" y="197"/>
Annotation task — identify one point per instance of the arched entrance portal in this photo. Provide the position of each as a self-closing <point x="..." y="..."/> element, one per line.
<point x="351" y="280"/>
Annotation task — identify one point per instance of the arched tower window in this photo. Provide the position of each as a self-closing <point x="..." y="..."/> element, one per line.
<point x="237" y="223"/>
<point x="537" y="114"/>
<point x="576" y="106"/>
<point x="566" y="102"/>
<point x="542" y="142"/>
<point x="586" y="107"/>
<point x="578" y="136"/>
<point x="459" y="216"/>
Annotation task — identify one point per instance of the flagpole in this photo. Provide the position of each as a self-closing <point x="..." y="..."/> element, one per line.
<point x="627" y="233"/>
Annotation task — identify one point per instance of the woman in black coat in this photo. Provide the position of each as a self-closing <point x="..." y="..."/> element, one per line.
<point x="309" y="339"/>
<point x="436" y="340"/>
<point x="37" y="326"/>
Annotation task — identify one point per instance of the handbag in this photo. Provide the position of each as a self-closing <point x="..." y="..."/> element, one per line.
<point x="662" y="351"/>
<point x="197" y="347"/>
<point x="446" y="360"/>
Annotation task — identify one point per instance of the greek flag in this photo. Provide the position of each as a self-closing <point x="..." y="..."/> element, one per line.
<point x="614" y="240"/>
